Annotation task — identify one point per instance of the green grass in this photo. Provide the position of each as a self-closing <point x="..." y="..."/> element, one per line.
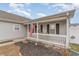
<point x="75" y="47"/>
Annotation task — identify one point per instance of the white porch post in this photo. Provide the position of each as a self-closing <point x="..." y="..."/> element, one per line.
<point x="67" y="39"/>
<point x="37" y="30"/>
<point x="28" y="30"/>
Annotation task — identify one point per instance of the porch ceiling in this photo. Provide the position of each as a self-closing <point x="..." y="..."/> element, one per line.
<point x="52" y="20"/>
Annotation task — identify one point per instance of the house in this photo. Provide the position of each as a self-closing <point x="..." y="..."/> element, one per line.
<point x="11" y="26"/>
<point x="51" y="29"/>
<point x="74" y="33"/>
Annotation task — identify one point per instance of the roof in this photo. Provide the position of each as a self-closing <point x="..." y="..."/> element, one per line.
<point x="66" y="14"/>
<point x="9" y="17"/>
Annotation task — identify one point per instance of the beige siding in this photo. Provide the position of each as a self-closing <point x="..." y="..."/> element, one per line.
<point x="62" y="25"/>
<point x="63" y="28"/>
<point x="74" y="31"/>
<point x="7" y="31"/>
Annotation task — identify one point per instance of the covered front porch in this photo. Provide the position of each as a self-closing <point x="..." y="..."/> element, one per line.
<point x="54" y="32"/>
<point x="51" y="29"/>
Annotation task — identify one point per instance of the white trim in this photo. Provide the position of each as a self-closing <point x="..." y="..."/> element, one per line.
<point x="28" y="29"/>
<point x="55" y="19"/>
<point x="11" y="20"/>
<point x="37" y="30"/>
<point x="45" y="41"/>
<point x="67" y="40"/>
<point x="52" y="35"/>
<point x="16" y="26"/>
<point x="55" y="27"/>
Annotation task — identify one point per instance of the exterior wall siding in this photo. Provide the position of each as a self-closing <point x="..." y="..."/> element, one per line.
<point x="62" y="27"/>
<point x="74" y="31"/>
<point x="7" y="31"/>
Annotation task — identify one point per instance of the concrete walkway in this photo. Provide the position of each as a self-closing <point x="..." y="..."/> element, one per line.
<point x="9" y="50"/>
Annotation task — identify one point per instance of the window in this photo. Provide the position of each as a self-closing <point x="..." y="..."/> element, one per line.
<point x="52" y="28"/>
<point x="47" y="28"/>
<point x="73" y="37"/>
<point x="16" y="27"/>
<point x="41" y="27"/>
<point x="57" y="28"/>
<point x="35" y="28"/>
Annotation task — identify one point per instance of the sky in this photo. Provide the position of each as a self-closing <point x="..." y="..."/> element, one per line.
<point x="37" y="10"/>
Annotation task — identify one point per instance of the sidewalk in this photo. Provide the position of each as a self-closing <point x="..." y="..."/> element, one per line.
<point x="9" y="50"/>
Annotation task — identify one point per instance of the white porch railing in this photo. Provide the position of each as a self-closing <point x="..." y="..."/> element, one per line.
<point x="59" y="39"/>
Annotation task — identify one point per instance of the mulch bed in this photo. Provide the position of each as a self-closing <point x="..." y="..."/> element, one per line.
<point x="30" y="49"/>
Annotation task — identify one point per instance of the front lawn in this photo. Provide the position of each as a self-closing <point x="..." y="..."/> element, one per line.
<point x="75" y="47"/>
